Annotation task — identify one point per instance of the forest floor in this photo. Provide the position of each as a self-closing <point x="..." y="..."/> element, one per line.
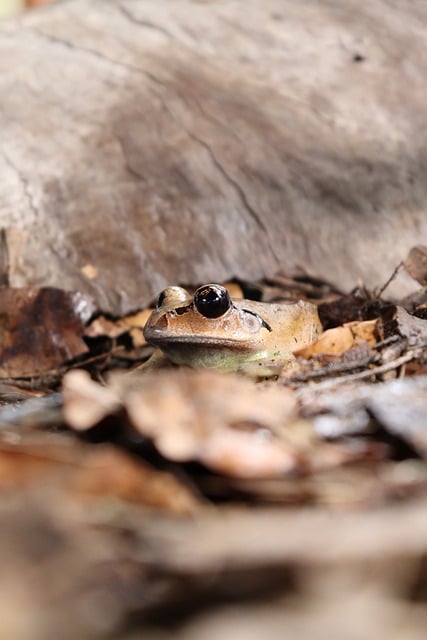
<point x="190" y="503"/>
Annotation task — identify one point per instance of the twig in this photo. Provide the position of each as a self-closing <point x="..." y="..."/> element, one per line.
<point x="387" y="341"/>
<point x="45" y="411"/>
<point x="330" y="370"/>
<point x="361" y="375"/>
<point x="47" y="378"/>
<point x="379" y="293"/>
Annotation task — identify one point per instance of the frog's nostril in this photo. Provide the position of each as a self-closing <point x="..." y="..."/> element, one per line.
<point x="161" y="299"/>
<point x="161" y="323"/>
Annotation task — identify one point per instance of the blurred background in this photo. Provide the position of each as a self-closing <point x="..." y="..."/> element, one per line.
<point x="8" y="7"/>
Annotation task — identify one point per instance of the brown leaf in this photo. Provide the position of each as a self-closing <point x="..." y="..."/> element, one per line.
<point x="86" y="403"/>
<point x="340" y="339"/>
<point x="23" y="465"/>
<point x="415" y="301"/>
<point x="113" y="474"/>
<point x="225" y="422"/>
<point x="357" y="306"/>
<point x="398" y="321"/>
<point x="416" y="264"/>
<point x="40" y="329"/>
<point x="229" y="424"/>
<point x="102" y="326"/>
<point x="81" y="472"/>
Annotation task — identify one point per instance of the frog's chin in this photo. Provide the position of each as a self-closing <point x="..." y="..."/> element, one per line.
<point x="202" y="355"/>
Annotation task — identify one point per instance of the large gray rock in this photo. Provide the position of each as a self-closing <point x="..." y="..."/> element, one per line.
<point x="146" y="143"/>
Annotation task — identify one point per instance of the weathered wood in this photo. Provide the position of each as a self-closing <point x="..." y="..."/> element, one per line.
<point x="146" y="143"/>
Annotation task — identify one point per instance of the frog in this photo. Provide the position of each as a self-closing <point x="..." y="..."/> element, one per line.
<point x="209" y="329"/>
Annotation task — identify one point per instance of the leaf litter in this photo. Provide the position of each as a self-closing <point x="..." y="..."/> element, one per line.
<point x="41" y="329"/>
<point x="85" y="433"/>
<point x="232" y="426"/>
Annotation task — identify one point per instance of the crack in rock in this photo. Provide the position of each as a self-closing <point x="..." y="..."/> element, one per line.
<point x="25" y="183"/>
<point x="144" y="23"/>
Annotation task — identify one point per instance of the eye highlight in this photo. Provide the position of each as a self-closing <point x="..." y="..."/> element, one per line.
<point x="212" y="300"/>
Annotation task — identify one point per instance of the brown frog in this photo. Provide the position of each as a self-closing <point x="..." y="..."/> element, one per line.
<point x="212" y="330"/>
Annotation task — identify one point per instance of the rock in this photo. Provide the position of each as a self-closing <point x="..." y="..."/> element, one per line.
<point x="148" y="143"/>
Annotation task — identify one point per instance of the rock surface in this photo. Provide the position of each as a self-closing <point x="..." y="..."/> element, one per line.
<point x="148" y="143"/>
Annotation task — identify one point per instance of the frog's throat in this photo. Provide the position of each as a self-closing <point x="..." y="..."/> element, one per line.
<point x="206" y="356"/>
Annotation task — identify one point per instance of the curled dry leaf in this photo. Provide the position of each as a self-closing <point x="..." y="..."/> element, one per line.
<point x="86" y="403"/>
<point x="40" y="329"/>
<point x="340" y="339"/>
<point x="86" y="474"/>
<point x="227" y="423"/>
<point x="416" y="264"/>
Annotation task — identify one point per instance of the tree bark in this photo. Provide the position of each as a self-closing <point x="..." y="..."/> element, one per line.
<point x="146" y="143"/>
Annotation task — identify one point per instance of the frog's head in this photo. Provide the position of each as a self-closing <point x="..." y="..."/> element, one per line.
<point x="206" y="329"/>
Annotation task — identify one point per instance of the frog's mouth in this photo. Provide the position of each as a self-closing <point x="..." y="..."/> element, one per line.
<point x="188" y="342"/>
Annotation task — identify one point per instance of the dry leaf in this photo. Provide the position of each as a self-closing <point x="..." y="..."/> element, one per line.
<point x="102" y="326"/>
<point x="357" y="306"/>
<point x="223" y="421"/>
<point x="40" y="329"/>
<point x="229" y="424"/>
<point x="234" y="289"/>
<point x="107" y="472"/>
<point x="104" y="472"/>
<point x="400" y="406"/>
<point x="416" y="264"/>
<point x="24" y="465"/>
<point x="86" y="403"/>
<point x="411" y="327"/>
<point x="132" y="324"/>
<point x="340" y="339"/>
<point x="399" y="321"/>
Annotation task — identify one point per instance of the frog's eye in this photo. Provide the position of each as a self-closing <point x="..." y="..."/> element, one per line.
<point x="212" y="300"/>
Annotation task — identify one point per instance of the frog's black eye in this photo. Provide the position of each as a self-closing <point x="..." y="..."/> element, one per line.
<point x="212" y="300"/>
